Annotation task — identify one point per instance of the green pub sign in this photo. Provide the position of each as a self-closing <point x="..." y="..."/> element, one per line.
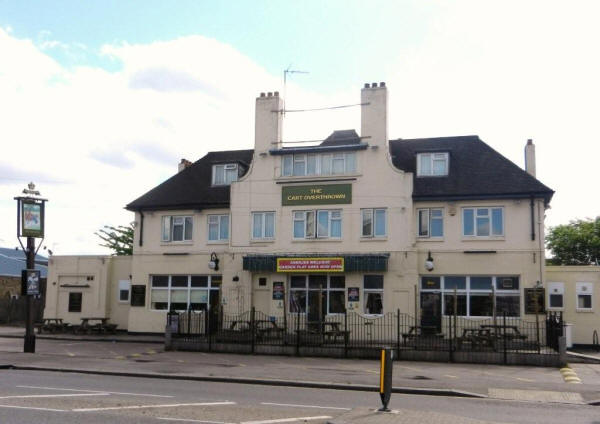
<point x="316" y="195"/>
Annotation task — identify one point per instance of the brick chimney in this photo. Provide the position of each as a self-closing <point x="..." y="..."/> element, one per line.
<point x="267" y="126"/>
<point x="530" y="157"/>
<point x="373" y="117"/>
<point x="183" y="164"/>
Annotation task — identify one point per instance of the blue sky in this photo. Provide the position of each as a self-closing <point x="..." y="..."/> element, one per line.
<point x="105" y="97"/>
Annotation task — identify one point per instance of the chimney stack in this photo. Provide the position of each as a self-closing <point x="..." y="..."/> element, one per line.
<point x="183" y="164"/>
<point x="530" y="157"/>
<point x="373" y="117"/>
<point x="268" y="120"/>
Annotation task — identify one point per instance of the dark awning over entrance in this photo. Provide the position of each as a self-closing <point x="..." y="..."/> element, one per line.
<point x="352" y="263"/>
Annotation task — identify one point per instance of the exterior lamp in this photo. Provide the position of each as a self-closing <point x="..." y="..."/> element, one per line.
<point x="429" y="262"/>
<point x="214" y="262"/>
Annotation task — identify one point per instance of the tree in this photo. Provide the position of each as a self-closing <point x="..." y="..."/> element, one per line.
<point x="576" y="243"/>
<point x="119" y="239"/>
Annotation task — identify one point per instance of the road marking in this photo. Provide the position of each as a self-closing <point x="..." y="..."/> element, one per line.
<point x="120" y="357"/>
<point x="287" y="420"/>
<point x="53" y="396"/>
<point x="525" y="379"/>
<point x="304" y="406"/>
<point x="192" y="421"/>
<point x="168" y="405"/>
<point x="95" y="391"/>
<point x="31" y="407"/>
<point x="450" y="376"/>
<point x="135" y="355"/>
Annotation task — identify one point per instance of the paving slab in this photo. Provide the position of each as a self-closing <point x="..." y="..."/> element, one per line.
<point x="402" y="416"/>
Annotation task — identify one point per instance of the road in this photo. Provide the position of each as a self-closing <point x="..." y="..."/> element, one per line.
<point x="57" y="398"/>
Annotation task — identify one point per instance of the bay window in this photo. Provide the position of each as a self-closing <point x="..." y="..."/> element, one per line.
<point x="300" y="165"/>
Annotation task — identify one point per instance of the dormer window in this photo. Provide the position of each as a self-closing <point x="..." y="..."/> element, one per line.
<point x="432" y="164"/>
<point x="224" y="174"/>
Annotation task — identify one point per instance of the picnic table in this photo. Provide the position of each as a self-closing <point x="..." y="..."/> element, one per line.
<point x="329" y="331"/>
<point x="261" y="329"/>
<point x="418" y="331"/>
<point x="95" y="324"/>
<point x="511" y="332"/>
<point x="476" y="337"/>
<point x="51" y="325"/>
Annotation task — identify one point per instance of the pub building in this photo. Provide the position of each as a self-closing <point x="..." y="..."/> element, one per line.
<point x="357" y="222"/>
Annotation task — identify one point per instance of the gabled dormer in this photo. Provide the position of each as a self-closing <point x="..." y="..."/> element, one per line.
<point x="433" y="164"/>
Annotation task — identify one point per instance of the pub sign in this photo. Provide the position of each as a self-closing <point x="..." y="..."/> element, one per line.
<point x="32" y="218"/>
<point x="316" y="194"/>
<point x="310" y="264"/>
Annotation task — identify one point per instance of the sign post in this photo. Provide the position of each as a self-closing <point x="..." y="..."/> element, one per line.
<point x="385" y="377"/>
<point x="30" y="224"/>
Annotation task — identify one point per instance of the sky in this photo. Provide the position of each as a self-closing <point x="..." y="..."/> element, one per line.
<point x="99" y="100"/>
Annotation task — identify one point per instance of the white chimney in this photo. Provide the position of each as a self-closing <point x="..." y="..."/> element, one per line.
<point x="373" y="117"/>
<point x="530" y="157"/>
<point x="183" y="164"/>
<point x="267" y="126"/>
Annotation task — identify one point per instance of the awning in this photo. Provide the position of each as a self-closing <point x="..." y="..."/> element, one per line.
<point x="352" y="263"/>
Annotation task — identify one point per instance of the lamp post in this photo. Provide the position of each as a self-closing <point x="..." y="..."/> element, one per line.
<point x="30" y="224"/>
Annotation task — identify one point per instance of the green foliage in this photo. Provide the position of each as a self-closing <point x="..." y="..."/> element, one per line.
<point x="577" y="243"/>
<point x="119" y="239"/>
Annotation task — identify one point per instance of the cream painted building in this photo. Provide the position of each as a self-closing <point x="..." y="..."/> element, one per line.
<point x="369" y="224"/>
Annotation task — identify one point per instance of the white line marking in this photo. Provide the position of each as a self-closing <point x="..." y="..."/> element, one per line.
<point x="94" y="391"/>
<point x="54" y="396"/>
<point x="287" y="420"/>
<point x="31" y="407"/>
<point x="192" y="421"/>
<point x="168" y="405"/>
<point x="304" y="406"/>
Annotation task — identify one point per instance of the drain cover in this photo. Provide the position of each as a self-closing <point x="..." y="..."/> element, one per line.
<point x="421" y="377"/>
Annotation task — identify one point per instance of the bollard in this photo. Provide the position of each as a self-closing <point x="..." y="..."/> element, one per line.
<point x="385" y="377"/>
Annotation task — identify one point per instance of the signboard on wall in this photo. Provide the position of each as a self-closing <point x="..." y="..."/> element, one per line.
<point x="316" y="195"/>
<point x="278" y="290"/>
<point x="138" y="295"/>
<point x="310" y="264"/>
<point x="30" y="282"/>
<point x="530" y="301"/>
<point x="353" y="294"/>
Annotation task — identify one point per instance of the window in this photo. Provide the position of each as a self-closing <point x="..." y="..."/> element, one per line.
<point x="224" y="174"/>
<point x="556" y="293"/>
<point x="218" y="227"/>
<point x="177" y="228"/>
<point x="263" y="225"/>
<point x="306" y="289"/>
<point x="317" y="223"/>
<point x="483" y="222"/>
<point x="184" y="292"/>
<point x="124" y="288"/>
<point x="432" y="164"/>
<point x="430" y="223"/>
<point x="301" y="165"/>
<point x="584" y="296"/>
<point x="374" y="222"/>
<point x="373" y="294"/>
<point x="75" y="302"/>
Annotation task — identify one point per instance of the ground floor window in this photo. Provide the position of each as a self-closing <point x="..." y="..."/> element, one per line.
<point x="184" y="292"/>
<point x="75" y="302"/>
<point x="373" y="294"/>
<point x="473" y="296"/>
<point x="317" y="295"/>
<point x="584" y="296"/>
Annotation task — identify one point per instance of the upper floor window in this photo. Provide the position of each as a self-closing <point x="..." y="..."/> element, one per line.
<point x="177" y="228"/>
<point x="218" y="227"/>
<point x="300" y="165"/>
<point x="224" y="174"/>
<point x="483" y="222"/>
<point x="432" y="164"/>
<point x="431" y="222"/>
<point x="263" y="225"/>
<point x="374" y="222"/>
<point x="317" y="224"/>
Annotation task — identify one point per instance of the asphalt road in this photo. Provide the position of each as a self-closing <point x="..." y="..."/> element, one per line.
<point x="28" y="397"/>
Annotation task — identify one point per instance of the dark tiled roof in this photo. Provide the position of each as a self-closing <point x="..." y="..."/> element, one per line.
<point x="192" y="188"/>
<point x="341" y="138"/>
<point x="476" y="171"/>
<point x="13" y="261"/>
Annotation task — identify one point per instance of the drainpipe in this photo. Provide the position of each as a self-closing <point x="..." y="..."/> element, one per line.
<point x="141" y="227"/>
<point x="531" y="207"/>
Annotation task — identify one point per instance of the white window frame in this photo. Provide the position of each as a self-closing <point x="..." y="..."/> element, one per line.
<point x="488" y="216"/>
<point x="263" y="228"/>
<point x="584" y="289"/>
<point x="224" y="167"/>
<point x="168" y="222"/>
<point x="124" y="285"/>
<point x="373" y="213"/>
<point x="433" y="157"/>
<point x="349" y="160"/>
<point x="555" y="288"/>
<point x="301" y="216"/>
<point x="169" y="288"/>
<point x="366" y="291"/>
<point x="428" y="211"/>
<point x="218" y="217"/>
<point x="327" y="289"/>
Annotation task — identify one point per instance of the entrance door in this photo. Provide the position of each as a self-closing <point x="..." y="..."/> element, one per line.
<point x="431" y="312"/>
<point x="214" y="300"/>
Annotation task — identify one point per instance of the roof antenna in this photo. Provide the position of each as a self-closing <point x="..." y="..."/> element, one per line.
<point x="287" y="71"/>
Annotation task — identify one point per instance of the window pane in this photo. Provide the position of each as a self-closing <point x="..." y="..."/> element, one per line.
<point x="298" y="301"/>
<point x="439" y="167"/>
<point x="179" y="296"/>
<point x="336" y="228"/>
<point x="287" y="165"/>
<point x="367" y="222"/>
<point x="508" y="304"/>
<point x="311" y="165"/>
<point x="461" y="304"/>
<point x="338" y="163"/>
<point x="373" y="303"/>
<point x="166" y="228"/>
<point x="224" y="228"/>
<point x="123" y="295"/>
<point x="231" y="175"/>
<point x="468" y="222"/>
<point x="219" y="174"/>
<point x="336" y="302"/>
<point x="160" y="281"/>
<point x="177" y="232"/>
<point x="270" y="224"/>
<point x="179" y="281"/>
<point x="298" y="281"/>
<point x="451" y="283"/>
<point x="350" y="162"/>
<point x="325" y="164"/>
<point x="299" y="165"/>
<point x="199" y="281"/>
<point x="317" y="281"/>
<point x="257" y="225"/>
<point x="584" y="301"/>
<point x="425" y="164"/>
<point x="380" y="222"/>
<point x="556" y="300"/>
<point x="298" y="228"/>
<point x="430" y="283"/>
<point x="323" y="224"/>
<point x="188" y="227"/>
<point x="310" y="224"/>
<point x="497" y="228"/>
<point x="213" y="230"/>
<point x="481" y="283"/>
<point x="483" y="226"/>
<point x="480" y="305"/>
<point x="373" y="282"/>
<point x="159" y="299"/>
<point x="437" y="226"/>
<point x="337" y="282"/>
<point x="216" y="280"/>
<point x="199" y="296"/>
<point x="424" y="222"/>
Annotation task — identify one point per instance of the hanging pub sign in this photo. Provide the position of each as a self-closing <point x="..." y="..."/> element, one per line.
<point x="278" y="291"/>
<point x="353" y="294"/>
<point x="316" y="194"/>
<point x="32" y="218"/>
<point x="30" y="282"/>
<point x="310" y="264"/>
